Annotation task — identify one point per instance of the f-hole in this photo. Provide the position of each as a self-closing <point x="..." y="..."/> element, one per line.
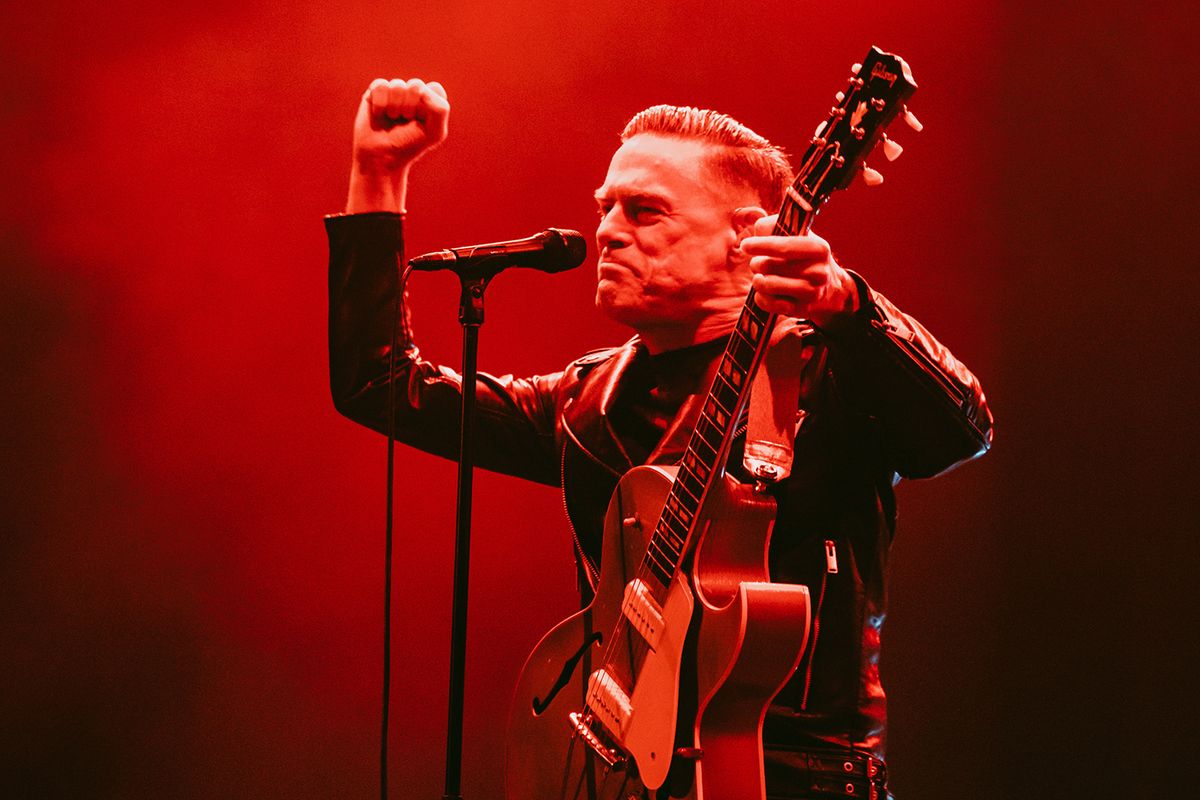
<point x="564" y="677"/>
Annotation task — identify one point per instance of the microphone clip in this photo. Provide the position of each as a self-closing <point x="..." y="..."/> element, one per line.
<point x="470" y="300"/>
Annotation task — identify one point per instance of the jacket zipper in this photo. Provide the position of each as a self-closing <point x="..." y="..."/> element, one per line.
<point x="831" y="568"/>
<point x="923" y="362"/>
<point x="949" y="393"/>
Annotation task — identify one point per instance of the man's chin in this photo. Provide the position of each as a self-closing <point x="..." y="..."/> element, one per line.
<point x="618" y="308"/>
<point x="632" y="312"/>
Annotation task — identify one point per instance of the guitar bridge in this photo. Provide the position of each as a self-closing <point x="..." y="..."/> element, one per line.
<point x="581" y="725"/>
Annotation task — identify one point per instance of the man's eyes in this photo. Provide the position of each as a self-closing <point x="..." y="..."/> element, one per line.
<point x="645" y="213"/>
<point x="638" y="212"/>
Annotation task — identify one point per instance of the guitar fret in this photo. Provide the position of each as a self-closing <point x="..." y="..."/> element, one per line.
<point x="675" y="540"/>
<point x="675" y="527"/>
<point x="740" y="336"/>
<point x="732" y="373"/>
<point x="656" y="557"/>
<point x="656" y="554"/>
<point x="668" y="550"/>
<point x="694" y="486"/>
<point x="682" y="512"/>
<point x="715" y="412"/>
<point x="663" y="576"/>
<point x="760" y="316"/>
<point x="725" y="394"/>
<point x="710" y="432"/>
<point x="679" y="488"/>
<point x="687" y="467"/>
<point x="698" y="443"/>
<point x="749" y="325"/>
<point x="688" y="477"/>
<point x="671" y="551"/>
<point x="742" y="349"/>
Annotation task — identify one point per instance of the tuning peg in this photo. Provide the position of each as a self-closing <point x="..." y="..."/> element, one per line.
<point x="891" y="149"/>
<point x="871" y="177"/>
<point x="912" y="120"/>
<point x="820" y="129"/>
<point x="840" y="96"/>
<point x="854" y="69"/>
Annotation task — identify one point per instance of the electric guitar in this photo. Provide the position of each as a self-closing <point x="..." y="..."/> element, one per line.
<point x="662" y="683"/>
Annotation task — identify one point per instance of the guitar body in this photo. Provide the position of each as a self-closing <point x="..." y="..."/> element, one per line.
<point x="748" y="637"/>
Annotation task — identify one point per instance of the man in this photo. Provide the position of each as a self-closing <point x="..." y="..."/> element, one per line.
<point x="683" y="235"/>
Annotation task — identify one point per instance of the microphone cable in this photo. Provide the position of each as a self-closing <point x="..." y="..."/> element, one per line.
<point x="388" y="531"/>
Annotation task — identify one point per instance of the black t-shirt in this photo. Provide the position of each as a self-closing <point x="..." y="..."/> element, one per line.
<point x="653" y="389"/>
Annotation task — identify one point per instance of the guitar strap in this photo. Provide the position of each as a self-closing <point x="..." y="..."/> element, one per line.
<point x="775" y="414"/>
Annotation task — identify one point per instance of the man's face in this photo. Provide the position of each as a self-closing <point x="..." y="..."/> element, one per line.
<point x="665" y="236"/>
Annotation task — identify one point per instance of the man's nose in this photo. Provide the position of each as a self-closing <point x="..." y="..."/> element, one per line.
<point x="612" y="232"/>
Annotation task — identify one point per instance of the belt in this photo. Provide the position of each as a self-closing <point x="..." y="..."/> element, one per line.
<point x="824" y="775"/>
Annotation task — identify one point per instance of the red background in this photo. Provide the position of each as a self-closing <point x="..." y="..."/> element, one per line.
<point x="191" y="559"/>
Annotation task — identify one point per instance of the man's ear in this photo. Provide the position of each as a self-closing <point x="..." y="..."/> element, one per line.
<point x="744" y="219"/>
<point x="742" y="225"/>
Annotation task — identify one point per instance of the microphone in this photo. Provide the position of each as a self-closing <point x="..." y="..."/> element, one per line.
<point x="552" y="250"/>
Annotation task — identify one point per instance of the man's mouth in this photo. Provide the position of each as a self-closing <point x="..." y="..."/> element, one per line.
<point x="610" y="268"/>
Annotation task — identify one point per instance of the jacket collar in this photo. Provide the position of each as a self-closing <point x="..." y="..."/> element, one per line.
<point x="587" y="421"/>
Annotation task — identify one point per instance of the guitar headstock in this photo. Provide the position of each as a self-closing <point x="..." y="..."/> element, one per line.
<point x="873" y="98"/>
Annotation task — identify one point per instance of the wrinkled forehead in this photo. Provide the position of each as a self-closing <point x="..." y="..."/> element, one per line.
<point x="666" y="166"/>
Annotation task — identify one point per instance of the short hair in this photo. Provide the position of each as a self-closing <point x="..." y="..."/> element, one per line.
<point x="742" y="157"/>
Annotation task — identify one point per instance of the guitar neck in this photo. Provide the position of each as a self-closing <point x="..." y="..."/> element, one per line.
<point x="704" y="459"/>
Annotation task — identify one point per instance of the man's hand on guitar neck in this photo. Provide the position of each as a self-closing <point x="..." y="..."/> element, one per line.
<point x="398" y="121"/>
<point x="798" y="276"/>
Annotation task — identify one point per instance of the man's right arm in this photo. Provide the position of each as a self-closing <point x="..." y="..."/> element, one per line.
<point x="397" y="122"/>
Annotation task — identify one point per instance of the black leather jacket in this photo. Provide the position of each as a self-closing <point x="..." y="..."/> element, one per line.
<point x="883" y="399"/>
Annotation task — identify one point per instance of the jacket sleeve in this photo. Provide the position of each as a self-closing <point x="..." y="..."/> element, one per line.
<point x="515" y="424"/>
<point x="929" y="409"/>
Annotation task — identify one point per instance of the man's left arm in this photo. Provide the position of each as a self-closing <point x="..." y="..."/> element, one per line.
<point x="930" y="410"/>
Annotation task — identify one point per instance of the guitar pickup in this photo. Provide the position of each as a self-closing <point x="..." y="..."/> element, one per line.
<point x="609" y="702"/>
<point x="643" y="612"/>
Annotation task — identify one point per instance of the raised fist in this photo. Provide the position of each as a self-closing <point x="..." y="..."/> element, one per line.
<point x="397" y="122"/>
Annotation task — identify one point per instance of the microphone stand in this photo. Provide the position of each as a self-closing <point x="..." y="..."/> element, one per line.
<point x="470" y="316"/>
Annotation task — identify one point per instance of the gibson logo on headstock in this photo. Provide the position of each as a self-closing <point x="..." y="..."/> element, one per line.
<point x="880" y="71"/>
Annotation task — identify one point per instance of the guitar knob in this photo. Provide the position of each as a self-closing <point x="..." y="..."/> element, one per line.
<point x="871" y="177"/>
<point x="912" y="120"/>
<point x="891" y="149"/>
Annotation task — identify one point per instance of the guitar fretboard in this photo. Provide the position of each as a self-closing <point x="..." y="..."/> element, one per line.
<point x="704" y="459"/>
